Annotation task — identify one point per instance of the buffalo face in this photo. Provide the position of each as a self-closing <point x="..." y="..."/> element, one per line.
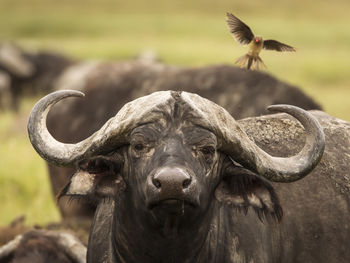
<point x="167" y="169"/>
<point x="173" y="169"/>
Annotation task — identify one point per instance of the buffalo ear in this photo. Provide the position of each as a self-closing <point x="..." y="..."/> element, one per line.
<point x="97" y="177"/>
<point x="242" y="189"/>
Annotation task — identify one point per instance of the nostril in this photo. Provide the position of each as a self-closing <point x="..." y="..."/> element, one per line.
<point x="156" y="183"/>
<point x="186" y="183"/>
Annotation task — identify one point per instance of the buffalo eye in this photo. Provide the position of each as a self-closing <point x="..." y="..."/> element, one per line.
<point x="208" y="152"/>
<point x="139" y="147"/>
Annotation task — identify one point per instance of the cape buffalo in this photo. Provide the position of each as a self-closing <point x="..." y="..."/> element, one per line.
<point x="172" y="172"/>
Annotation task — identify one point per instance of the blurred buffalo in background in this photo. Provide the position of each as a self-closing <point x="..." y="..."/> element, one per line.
<point x="42" y="246"/>
<point x="27" y="73"/>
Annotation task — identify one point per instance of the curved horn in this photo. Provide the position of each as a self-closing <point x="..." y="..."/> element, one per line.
<point x="111" y="135"/>
<point x="278" y="169"/>
<point x="54" y="151"/>
<point x="233" y="141"/>
<point x="43" y="142"/>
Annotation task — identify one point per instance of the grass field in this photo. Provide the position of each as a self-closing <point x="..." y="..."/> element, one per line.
<point x="191" y="33"/>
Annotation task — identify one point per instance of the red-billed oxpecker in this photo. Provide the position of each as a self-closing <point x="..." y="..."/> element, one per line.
<point x="244" y="35"/>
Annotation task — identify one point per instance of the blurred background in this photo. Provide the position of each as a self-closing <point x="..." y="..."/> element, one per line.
<point x="181" y="32"/>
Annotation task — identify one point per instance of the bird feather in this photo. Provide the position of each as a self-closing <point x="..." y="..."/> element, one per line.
<point x="276" y="45"/>
<point x="240" y="31"/>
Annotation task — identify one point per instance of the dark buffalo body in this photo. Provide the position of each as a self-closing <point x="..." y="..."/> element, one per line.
<point x="316" y="220"/>
<point x="176" y="180"/>
<point x="109" y="86"/>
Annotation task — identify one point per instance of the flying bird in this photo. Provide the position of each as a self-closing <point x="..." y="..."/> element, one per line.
<point x="244" y="35"/>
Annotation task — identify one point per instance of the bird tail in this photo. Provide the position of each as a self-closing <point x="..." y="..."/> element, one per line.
<point x="259" y="63"/>
<point x="250" y="62"/>
<point x="243" y="61"/>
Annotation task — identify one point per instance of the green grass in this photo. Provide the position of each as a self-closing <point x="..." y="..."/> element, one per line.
<point x="25" y="189"/>
<point x="190" y="33"/>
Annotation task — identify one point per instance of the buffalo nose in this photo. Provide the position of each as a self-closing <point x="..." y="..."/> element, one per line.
<point x="171" y="180"/>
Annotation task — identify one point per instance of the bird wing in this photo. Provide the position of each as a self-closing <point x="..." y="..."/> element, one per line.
<point x="278" y="46"/>
<point x="240" y="31"/>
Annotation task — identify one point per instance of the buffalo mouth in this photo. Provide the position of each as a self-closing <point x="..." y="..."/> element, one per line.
<point x="172" y="205"/>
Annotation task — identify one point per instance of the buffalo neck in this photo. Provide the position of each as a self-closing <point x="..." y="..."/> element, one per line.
<point x="135" y="239"/>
